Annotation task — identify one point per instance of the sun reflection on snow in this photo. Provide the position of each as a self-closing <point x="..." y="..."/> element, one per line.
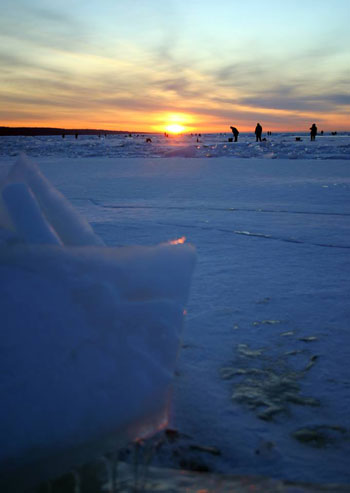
<point x="179" y="241"/>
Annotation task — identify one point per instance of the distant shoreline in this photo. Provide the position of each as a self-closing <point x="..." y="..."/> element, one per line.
<point x="34" y="131"/>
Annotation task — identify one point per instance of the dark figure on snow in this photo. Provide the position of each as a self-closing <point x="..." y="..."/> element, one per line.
<point x="313" y="131"/>
<point x="258" y="132"/>
<point x="235" y="133"/>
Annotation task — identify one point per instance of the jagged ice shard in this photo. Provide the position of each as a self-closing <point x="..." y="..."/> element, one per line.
<point x="89" y="333"/>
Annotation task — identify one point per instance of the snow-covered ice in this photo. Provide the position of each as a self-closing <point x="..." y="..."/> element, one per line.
<point x="264" y="370"/>
<point x="277" y="146"/>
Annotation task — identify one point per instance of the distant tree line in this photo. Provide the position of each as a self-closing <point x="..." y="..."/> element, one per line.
<point x="33" y="131"/>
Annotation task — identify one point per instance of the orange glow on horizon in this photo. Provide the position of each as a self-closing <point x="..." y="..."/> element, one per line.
<point x="131" y="121"/>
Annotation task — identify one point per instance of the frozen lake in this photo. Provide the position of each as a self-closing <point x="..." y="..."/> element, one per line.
<point x="264" y="372"/>
<point x="276" y="146"/>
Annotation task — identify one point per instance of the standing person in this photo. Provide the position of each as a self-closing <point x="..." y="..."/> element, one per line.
<point x="313" y="131"/>
<point x="235" y="133"/>
<point x="258" y="132"/>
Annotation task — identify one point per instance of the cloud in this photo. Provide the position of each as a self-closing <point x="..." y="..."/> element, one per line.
<point x="182" y="86"/>
<point x="241" y="73"/>
<point x="16" y="64"/>
<point x="288" y="99"/>
<point x="339" y="99"/>
<point x="240" y="115"/>
<point x="39" y="26"/>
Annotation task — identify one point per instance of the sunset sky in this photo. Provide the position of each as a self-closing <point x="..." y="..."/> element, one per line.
<point x="141" y="65"/>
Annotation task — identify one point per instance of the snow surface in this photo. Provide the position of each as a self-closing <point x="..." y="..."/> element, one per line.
<point x="277" y="146"/>
<point x="270" y="290"/>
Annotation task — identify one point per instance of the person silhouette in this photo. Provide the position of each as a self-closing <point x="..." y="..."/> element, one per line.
<point x="258" y="132"/>
<point x="235" y="133"/>
<point x="313" y="131"/>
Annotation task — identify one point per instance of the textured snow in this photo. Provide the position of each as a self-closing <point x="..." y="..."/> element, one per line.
<point x="277" y="146"/>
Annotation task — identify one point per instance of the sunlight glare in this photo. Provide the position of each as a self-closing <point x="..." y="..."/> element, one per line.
<point x="175" y="128"/>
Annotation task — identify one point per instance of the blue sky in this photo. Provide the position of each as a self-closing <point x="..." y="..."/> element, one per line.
<point x="208" y="64"/>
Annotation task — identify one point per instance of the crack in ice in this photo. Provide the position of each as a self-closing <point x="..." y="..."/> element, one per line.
<point x="203" y="208"/>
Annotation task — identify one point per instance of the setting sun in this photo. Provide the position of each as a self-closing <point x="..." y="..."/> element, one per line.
<point x="174" y="123"/>
<point x="175" y="128"/>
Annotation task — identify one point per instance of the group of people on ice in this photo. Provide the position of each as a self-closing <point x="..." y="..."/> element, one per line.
<point x="258" y="132"/>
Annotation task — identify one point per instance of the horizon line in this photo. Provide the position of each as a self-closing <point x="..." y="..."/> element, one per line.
<point x="7" y="130"/>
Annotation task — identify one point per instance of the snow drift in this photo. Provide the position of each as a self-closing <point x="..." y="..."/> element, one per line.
<point x="90" y="333"/>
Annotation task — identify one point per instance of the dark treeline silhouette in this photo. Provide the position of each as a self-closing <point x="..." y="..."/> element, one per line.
<point x="33" y="131"/>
